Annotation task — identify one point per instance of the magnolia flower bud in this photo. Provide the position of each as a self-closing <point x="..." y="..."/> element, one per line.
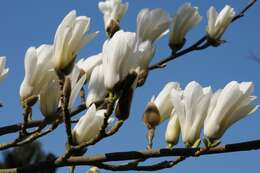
<point x="3" y="70"/>
<point x="185" y="19"/>
<point x="77" y="83"/>
<point x="151" y="24"/>
<point x="191" y="105"/>
<point x="69" y="39"/>
<point x="37" y="65"/>
<point x="117" y="60"/>
<point x="49" y="98"/>
<point x="151" y="116"/>
<point x="228" y="106"/>
<point x="173" y="131"/>
<point x="89" y="125"/>
<point x="88" y="64"/>
<point x="218" y="23"/>
<point x="163" y="100"/>
<point x="144" y="55"/>
<point x="113" y="11"/>
<point x="96" y="87"/>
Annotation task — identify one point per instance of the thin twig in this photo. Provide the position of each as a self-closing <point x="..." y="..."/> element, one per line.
<point x="197" y="45"/>
<point x="36" y="123"/>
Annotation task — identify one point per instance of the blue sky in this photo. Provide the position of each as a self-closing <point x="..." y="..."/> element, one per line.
<point x="31" y="23"/>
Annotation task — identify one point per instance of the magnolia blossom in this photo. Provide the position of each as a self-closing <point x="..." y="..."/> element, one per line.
<point x="218" y="23"/>
<point x="97" y="90"/>
<point x="144" y="55"/>
<point x="185" y="19"/>
<point x="227" y="106"/>
<point x="50" y="96"/>
<point x="113" y="11"/>
<point x="163" y="100"/>
<point x="70" y="37"/>
<point x="50" y="93"/>
<point x="89" y="125"/>
<point x="88" y="64"/>
<point x="151" y="24"/>
<point x="116" y="57"/>
<point x="191" y="105"/>
<point x="122" y="54"/>
<point x="3" y="70"/>
<point x="37" y="64"/>
<point x="77" y="83"/>
<point x="172" y="131"/>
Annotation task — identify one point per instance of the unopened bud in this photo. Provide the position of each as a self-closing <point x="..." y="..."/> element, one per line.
<point x="151" y="116"/>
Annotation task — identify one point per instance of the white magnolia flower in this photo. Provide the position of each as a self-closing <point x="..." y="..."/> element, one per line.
<point x="227" y="106"/>
<point x="88" y="64"/>
<point x="77" y="83"/>
<point x="97" y="90"/>
<point x="218" y="23"/>
<point x="144" y="55"/>
<point x="191" y="105"/>
<point x="50" y="93"/>
<point x="172" y="131"/>
<point x="151" y="24"/>
<point x="3" y="70"/>
<point x="163" y="100"/>
<point x="185" y="19"/>
<point x="116" y="57"/>
<point x="70" y="37"/>
<point x="122" y="55"/>
<point x="113" y="10"/>
<point x="50" y="96"/>
<point x="37" y="64"/>
<point x="89" y="125"/>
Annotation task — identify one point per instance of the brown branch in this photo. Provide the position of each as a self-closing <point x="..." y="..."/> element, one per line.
<point x="132" y="155"/>
<point x="65" y="90"/>
<point x="243" y="11"/>
<point x="131" y="166"/>
<point x="21" y="141"/>
<point x="200" y="44"/>
<point x="36" y="123"/>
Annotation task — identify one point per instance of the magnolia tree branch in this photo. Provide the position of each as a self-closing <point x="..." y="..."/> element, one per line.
<point x="199" y="45"/>
<point x="36" y="123"/>
<point x="196" y="46"/>
<point x="133" y="158"/>
<point x="98" y="160"/>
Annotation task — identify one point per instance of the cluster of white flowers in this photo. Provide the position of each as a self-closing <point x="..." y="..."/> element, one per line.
<point x="195" y="107"/>
<point x="126" y="52"/>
